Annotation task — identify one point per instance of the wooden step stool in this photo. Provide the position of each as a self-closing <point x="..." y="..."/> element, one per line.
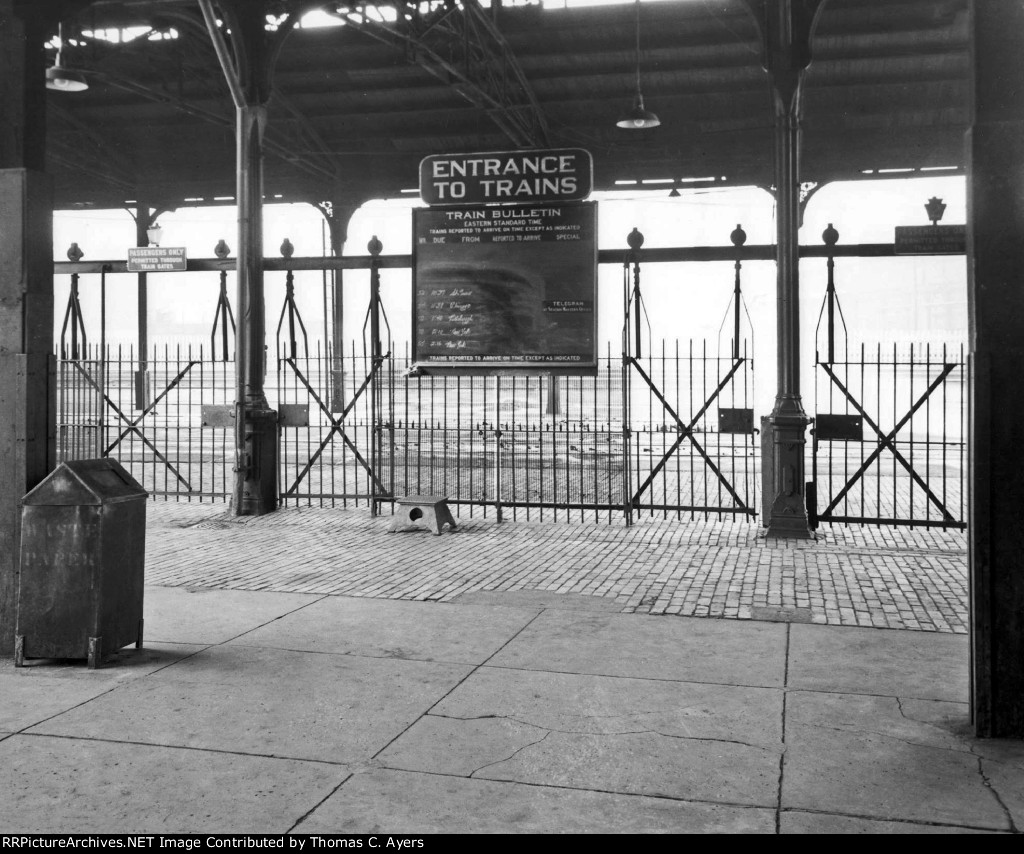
<point x="432" y="509"/>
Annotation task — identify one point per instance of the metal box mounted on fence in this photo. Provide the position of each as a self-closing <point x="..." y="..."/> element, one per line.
<point x="736" y="421"/>
<point x="218" y="415"/>
<point x="293" y="414"/>
<point x="83" y="533"/>
<point x="838" y="428"/>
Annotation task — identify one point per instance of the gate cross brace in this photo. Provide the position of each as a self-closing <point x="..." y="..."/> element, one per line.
<point x="686" y="432"/>
<point x="337" y="426"/>
<point x="887" y="441"/>
<point x="133" y="425"/>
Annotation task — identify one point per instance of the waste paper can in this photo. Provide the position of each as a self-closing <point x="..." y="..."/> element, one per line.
<point x="83" y="537"/>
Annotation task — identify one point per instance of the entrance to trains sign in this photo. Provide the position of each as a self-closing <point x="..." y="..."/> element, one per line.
<point x="506" y="287"/>
<point x="507" y="177"/>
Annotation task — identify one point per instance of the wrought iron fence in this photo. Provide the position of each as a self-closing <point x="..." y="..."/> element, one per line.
<point x="532" y="447"/>
<point x="887" y="444"/>
<point x="328" y="446"/>
<point x="889" y="437"/>
<point x="165" y="445"/>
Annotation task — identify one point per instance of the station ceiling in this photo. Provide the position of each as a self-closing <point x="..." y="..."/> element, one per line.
<point x="355" y="107"/>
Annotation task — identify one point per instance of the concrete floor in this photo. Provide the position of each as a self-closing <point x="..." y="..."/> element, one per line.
<point x="520" y="711"/>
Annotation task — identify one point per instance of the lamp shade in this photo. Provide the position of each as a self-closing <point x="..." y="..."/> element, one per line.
<point x="62" y="79"/>
<point x="154" y="233"/>
<point x="638" y="118"/>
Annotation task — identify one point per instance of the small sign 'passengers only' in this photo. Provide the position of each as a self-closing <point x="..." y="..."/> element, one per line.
<point x="552" y="175"/>
<point x="157" y="259"/>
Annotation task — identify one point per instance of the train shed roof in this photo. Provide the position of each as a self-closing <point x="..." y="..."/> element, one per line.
<point x="361" y="98"/>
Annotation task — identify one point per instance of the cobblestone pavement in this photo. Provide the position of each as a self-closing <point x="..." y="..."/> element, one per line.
<point x="855" y="576"/>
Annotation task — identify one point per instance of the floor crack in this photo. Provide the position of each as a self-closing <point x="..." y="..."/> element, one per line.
<point x="860" y="731"/>
<point x="987" y="783"/>
<point x="550" y="729"/>
<point x="512" y="755"/>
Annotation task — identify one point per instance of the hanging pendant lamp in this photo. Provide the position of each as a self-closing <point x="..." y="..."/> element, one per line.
<point x="639" y="117"/>
<point x="62" y="79"/>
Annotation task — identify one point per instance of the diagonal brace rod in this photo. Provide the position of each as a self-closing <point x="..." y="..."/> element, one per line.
<point x="887" y="441"/>
<point x="337" y="426"/>
<point x="686" y="432"/>
<point x="132" y="428"/>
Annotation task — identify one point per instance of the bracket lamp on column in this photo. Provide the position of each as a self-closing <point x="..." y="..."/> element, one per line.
<point x="154" y="233"/>
<point x="60" y="78"/>
<point x="638" y="118"/>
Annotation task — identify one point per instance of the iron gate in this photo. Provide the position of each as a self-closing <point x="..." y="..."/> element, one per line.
<point x="665" y="429"/>
<point x="532" y="447"/>
<point x="693" y="448"/>
<point x="369" y="426"/>
<point x="173" y="445"/>
<point x="888" y="440"/>
<point x="330" y="431"/>
<point x="889" y="433"/>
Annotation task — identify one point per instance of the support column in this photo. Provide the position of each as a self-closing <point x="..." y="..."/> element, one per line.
<point x="995" y="227"/>
<point x="786" y="26"/>
<point x="27" y="386"/>
<point x="338" y="215"/>
<point x="248" y="69"/>
<point x="143" y="220"/>
<point x="27" y="383"/>
<point x="256" y="440"/>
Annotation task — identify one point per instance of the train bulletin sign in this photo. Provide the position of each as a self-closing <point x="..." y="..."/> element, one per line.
<point x="506" y="287"/>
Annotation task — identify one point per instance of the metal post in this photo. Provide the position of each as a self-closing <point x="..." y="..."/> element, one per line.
<point x="336" y="218"/>
<point x="289" y="286"/>
<point x="103" y="343"/>
<point x="103" y="313"/>
<point x="738" y="238"/>
<point x="256" y="423"/>
<point x="629" y="303"/>
<point x="337" y="332"/>
<point x="247" y="71"/>
<point x="627" y="477"/>
<point x="223" y="313"/>
<point x="143" y="220"/>
<point x="375" y="247"/>
<point x="831" y="237"/>
<point x="224" y="310"/>
<point x="553" y="404"/>
<point x="292" y="310"/>
<point x="76" y="319"/>
<point x="785" y="513"/>
<point x="995" y="221"/>
<point x="73" y="313"/>
<point x="497" y="447"/>
<point x="787" y="27"/>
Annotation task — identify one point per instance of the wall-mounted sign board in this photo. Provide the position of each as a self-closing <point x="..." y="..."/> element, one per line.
<point x="157" y="259"/>
<point x="507" y="177"/>
<point x="931" y="239"/>
<point x="507" y="287"/>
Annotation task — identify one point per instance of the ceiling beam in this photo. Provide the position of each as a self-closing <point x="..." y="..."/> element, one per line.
<point x="281" y="141"/>
<point x="86" y="150"/>
<point x="465" y="50"/>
